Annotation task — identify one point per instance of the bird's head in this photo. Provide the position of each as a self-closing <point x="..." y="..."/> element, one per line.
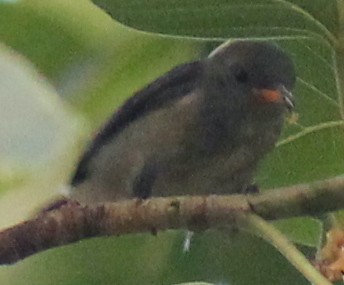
<point x="254" y="74"/>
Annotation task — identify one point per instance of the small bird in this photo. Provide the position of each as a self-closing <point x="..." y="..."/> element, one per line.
<point x="199" y="129"/>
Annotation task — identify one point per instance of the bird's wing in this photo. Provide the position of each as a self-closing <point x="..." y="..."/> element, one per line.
<point x="175" y="84"/>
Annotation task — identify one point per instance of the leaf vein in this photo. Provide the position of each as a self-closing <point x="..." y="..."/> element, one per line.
<point x="318" y="91"/>
<point x="332" y="39"/>
<point x="309" y="130"/>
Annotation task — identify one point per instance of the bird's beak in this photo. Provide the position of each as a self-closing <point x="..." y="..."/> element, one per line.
<point x="288" y="97"/>
<point x="278" y="95"/>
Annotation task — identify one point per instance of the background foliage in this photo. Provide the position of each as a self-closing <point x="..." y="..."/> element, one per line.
<point x="92" y="63"/>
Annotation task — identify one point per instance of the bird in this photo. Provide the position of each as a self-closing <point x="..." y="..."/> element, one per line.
<point x="200" y="129"/>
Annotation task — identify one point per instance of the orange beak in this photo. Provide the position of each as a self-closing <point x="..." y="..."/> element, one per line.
<point x="279" y="95"/>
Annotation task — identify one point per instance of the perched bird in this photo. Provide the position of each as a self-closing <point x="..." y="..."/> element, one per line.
<point x="199" y="129"/>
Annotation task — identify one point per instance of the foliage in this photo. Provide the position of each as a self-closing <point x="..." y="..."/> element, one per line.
<point x="94" y="63"/>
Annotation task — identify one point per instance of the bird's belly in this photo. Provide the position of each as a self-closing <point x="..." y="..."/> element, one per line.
<point x="220" y="174"/>
<point x="170" y="167"/>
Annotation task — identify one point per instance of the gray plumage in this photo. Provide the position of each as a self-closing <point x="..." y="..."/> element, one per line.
<point x="200" y="129"/>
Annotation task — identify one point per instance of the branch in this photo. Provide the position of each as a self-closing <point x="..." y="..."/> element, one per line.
<point x="72" y="223"/>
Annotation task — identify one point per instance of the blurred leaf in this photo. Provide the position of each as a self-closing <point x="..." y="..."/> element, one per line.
<point x="94" y="68"/>
<point x="37" y="37"/>
<point x="37" y="130"/>
<point x="35" y="127"/>
<point x="131" y="72"/>
<point x="52" y="34"/>
<point x="145" y="259"/>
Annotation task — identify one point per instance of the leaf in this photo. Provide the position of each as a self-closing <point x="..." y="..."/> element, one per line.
<point x="311" y="148"/>
<point x="35" y="126"/>
<point x="36" y="37"/>
<point x="38" y="136"/>
<point x="227" y="18"/>
<point x="131" y="73"/>
<point x="305" y="231"/>
<point x="216" y="258"/>
<point x="195" y="283"/>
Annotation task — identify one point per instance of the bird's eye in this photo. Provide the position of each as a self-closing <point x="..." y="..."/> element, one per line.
<point x="241" y="75"/>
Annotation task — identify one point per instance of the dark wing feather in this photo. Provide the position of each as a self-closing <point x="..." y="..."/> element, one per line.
<point x="174" y="84"/>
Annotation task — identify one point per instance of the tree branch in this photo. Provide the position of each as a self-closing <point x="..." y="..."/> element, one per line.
<point x="72" y="223"/>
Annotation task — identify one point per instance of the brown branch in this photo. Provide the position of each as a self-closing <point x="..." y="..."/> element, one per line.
<point x="72" y="223"/>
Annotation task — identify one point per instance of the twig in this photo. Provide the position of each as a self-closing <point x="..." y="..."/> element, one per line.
<point x="288" y="249"/>
<point x="69" y="224"/>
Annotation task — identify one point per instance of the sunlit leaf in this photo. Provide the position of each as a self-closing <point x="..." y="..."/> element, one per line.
<point x="35" y="126"/>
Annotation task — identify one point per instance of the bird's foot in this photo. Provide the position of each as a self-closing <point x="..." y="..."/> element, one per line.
<point x="57" y="204"/>
<point x="252" y="189"/>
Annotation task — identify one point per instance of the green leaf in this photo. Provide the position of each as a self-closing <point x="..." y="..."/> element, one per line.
<point x="305" y="231"/>
<point x="36" y="36"/>
<point x="227" y="18"/>
<point x="134" y="69"/>
<point x="195" y="283"/>
<point x="214" y="257"/>
<point x="312" y="148"/>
